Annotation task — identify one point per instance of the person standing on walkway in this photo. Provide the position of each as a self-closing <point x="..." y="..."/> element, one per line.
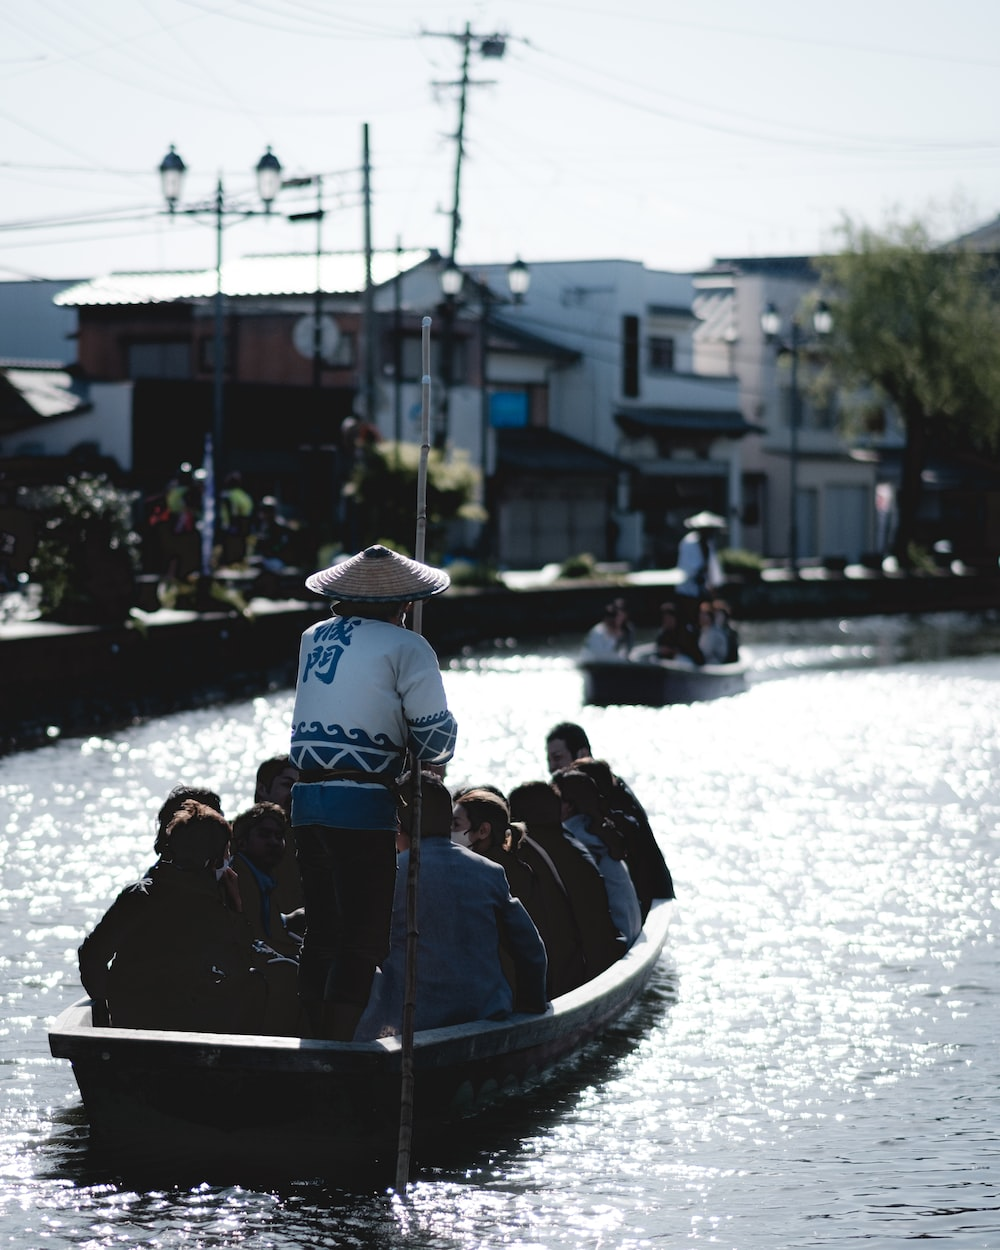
<point x="368" y="691"/>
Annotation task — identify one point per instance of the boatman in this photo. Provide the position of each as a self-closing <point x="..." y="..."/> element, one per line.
<point x="368" y="690"/>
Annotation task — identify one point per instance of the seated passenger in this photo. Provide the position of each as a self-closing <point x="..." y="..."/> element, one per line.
<point x="567" y="742"/>
<point x="464" y="911"/>
<point x="611" y="637"/>
<point x="582" y="819"/>
<point x="672" y="642"/>
<point x="536" y="806"/>
<point x="724" y="622"/>
<point x="172" y="805"/>
<point x="259" y="844"/>
<point x="481" y="822"/>
<point x="646" y="866"/>
<point x="713" y="641"/>
<point x="179" y="957"/>
<point x="275" y="777"/>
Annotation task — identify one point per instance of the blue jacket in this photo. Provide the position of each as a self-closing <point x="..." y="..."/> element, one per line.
<point x="464" y="910"/>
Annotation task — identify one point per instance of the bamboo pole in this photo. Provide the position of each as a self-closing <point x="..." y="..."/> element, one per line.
<point x="413" y="872"/>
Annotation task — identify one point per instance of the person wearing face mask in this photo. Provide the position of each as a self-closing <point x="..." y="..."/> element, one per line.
<point x="481" y="821"/>
<point x="464" y="912"/>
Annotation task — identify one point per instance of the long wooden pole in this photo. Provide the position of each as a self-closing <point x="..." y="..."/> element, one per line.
<point x="413" y="872"/>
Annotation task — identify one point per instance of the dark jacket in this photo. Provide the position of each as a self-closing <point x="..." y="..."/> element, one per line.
<point x="181" y="958"/>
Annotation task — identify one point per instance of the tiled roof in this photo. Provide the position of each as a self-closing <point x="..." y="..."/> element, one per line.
<point x="45" y="392"/>
<point x="342" y="273"/>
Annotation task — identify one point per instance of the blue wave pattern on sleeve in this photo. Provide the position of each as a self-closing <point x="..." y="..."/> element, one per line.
<point x="434" y="738"/>
<point x="331" y="640"/>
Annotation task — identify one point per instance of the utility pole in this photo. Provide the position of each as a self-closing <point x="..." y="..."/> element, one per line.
<point x="492" y="47"/>
<point x="368" y="314"/>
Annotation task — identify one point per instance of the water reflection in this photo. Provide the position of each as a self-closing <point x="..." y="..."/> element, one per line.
<point x="814" y="1064"/>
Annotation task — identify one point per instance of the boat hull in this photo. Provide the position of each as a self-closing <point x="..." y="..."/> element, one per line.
<point x="657" y="683"/>
<point x="176" y="1105"/>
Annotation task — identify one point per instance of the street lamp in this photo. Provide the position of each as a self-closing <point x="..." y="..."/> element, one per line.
<point x="172" y="171"/>
<point x="771" y="324"/>
<point x="452" y="284"/>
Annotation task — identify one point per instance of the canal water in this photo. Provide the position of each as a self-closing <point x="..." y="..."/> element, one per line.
<point x="816" y="1063"/>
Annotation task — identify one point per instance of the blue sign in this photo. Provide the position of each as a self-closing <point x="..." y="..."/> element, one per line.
<point x="509" y="410"/>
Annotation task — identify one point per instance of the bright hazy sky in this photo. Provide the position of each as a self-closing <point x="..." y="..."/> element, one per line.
<point x="648" y="130"/>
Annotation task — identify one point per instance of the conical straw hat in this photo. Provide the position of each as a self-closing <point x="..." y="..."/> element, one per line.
<point x="705" y="521"/>
<point x="378" y="575"/>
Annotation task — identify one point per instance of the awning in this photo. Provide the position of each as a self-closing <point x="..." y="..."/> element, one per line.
<point x="708" y="422"/>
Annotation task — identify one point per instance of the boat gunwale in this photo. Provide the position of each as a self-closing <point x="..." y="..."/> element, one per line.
<point x="73" y="1036"/>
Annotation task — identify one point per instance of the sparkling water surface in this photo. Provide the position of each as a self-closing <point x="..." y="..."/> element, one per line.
<point x="815" y="1064"/>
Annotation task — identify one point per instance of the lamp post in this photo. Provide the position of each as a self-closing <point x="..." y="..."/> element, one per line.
<point x="452" y="283"/>
<point x="771" y="324"/>
<point x="172" y="171"/>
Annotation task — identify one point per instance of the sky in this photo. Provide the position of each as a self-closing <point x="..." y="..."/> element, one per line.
<point x="650" y="130"/>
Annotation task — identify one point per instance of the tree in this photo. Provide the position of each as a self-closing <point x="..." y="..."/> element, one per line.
<point x="383" y="494"/>
<point x="919" y="325"/>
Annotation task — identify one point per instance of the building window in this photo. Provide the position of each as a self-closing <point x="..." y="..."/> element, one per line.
<point x="630" y="356"/>
<point x="660" y="354"/>
<point x="159" y="360"/>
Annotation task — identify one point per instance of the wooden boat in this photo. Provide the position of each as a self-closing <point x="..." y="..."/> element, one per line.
<point x="644" y="679"/>
<point x="217" y="1107"/>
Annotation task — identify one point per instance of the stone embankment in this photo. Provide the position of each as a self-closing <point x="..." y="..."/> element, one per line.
<point x="58" y="680"/>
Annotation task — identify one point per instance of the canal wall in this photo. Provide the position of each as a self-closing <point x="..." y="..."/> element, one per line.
<point x="71" y="680"/>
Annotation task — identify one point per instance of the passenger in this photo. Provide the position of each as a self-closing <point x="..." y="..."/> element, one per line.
<point x="368" y="691"/>
<point x="673" y="643"/>
<point x="464" y="911"/>
<point x="567" y="742"/>
<point x="259" y="848"/>
<point x="645" y="860"/>
<point x="536" y="805"/>
<point x="481" y="823"/>
<point x="273" y="784"/>
<point x="724" y="622"/>
<point x="179" y="957"/>
<point x="551" y="909"/>
<point x="275" y="777"/>
<point x="583" y="820"/>
<point x="172" y="805"/>
<point x="713" y="642"/>
<point x="612" y="635"/>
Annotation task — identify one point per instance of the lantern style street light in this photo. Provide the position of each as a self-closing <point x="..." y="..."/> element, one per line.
<point x="172" y="173"/>
<point x="452" y="283"/>
<point x="771" y="324"/>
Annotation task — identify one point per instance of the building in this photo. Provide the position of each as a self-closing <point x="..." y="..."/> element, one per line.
<point x="804" y="449"/>
<point x="602" y="407"/>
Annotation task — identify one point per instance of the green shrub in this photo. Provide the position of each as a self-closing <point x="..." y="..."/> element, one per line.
<point x="473" y="573"/>
<point x="739" y="560"/>
<point x="582" y="565"/>
<point x="87" y="554"/>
